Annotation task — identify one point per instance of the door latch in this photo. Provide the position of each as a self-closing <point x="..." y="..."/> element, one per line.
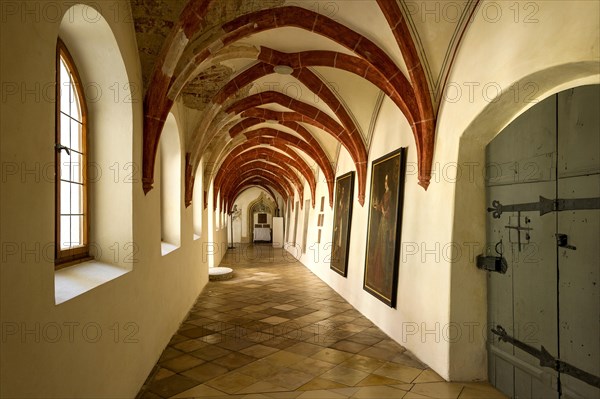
<point x="493" y="263"/>
<point x="562" y="241"/>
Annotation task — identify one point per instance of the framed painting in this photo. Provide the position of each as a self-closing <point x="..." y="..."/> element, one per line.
<point x="383" y="229"/>
<point x="262" y="218"/>
<point x="342" y="220"/>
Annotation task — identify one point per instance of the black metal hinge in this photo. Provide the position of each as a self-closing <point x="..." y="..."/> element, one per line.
<point x="547" y="360"/>
<point x="545" y="205"/>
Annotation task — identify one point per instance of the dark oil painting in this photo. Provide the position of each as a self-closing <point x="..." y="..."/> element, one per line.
<point x="383" y="230"/>
<point x="342" y="220"/>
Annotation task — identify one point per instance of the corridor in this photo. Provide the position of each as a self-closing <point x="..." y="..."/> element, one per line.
<point x="275" y="330"/>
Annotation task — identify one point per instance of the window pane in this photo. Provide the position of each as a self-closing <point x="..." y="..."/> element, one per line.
<point x="65" y="88"/>
<point x="65" y="165"/>
<point x="76" y="229"/>
<point x="65" y="198"/>
<point x="76" y="167"/>
<point x="76" y="136"/>
<point x="65" y="126"/>
<point x="65" y="232"/>
<point x="75" y="111"/>
<point x="76" y="198"/>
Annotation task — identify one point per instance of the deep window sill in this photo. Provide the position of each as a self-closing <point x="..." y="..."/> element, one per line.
<point x="166" y="248"/>
<point x="73" y="281"/>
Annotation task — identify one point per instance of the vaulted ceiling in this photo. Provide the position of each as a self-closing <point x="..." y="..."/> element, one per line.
<point x="266" y="92"/>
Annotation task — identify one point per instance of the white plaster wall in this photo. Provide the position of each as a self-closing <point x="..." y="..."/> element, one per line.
<point x="121" y="327"/>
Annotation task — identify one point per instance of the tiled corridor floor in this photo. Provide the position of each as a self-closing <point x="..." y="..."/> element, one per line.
<point x="275" y="330"/>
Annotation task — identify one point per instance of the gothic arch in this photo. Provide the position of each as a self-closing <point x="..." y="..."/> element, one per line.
<point x="259" y="204"/>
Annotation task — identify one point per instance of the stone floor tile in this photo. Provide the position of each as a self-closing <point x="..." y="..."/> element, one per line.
<point x="477" y="390"/>
<point x="279" y="342"/>
<point x="177" y="338"/>
<point x="205" y="372"/>
<point x="404" y="387"/>
<point x="284" y="358"/>
<point x="344" y="375"/>
<point x="441" y="390"/>
<point x="232" y="382"/>
<point x="214" y="338"/>
<point x="182" y="363"/>
<point x="148" y="395"/>
<point x="262" y="387"/>
<point x="196" y="332"/>
<point x="172" y="385"/>
<point x="274" y="320"/>
<point x="312" y="366"/>
<point x="289" y="378"/>
<point x="169" y="353"/>
<point x="390" y="345"/>
<point x="376" y="332"/>
<point x="258" y="351"/>
<point x="407" y="359"/>
<point x="332" y="356"/>
<point x="348" y="346"/>
<point x="284" y="395"/>
<point x="374" y="379"/>
<point x="348" y="392"/>
<point x="341" y="319"/>
<point x="210" y="352"/>
<point x="260" y="369"/>
<point x="321" y="394"/>
<point x="162" y="373"/>
<point x="363" y="363"/>
<point x="354" y="328"/>
<point x="364" y="339"/>
<point x="304" y="348"/>
<point x="413" y="395"/>
<point x="198" y="391"/>
<point x="235" y="344"/>
<point x="200" y="321"/>
<point x="379" y="392"/>
<point x="190" y="345"/>
<point x="378" y="353"/>
<point x="398" y="372"/>
<point x="428" y="376"/>
<point x="234" y="360"/>
<point x="285" y="307"/>
<point x="321" y="383"/>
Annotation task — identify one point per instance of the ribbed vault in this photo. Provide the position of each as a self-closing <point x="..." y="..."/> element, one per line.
<point x="222" y="62"/>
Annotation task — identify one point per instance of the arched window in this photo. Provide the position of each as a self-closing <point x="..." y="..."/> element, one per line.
<point x="72" y="222"/>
